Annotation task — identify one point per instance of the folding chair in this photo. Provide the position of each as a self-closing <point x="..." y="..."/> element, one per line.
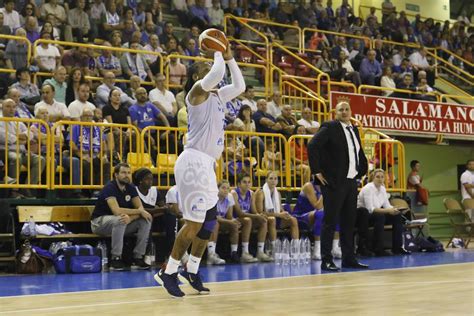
<point x="460" y="221"/>
<point x="402" y="204"/>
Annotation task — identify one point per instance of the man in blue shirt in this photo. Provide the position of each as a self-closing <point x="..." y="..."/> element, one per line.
<point x="119" y="212"/>
<point x="264" y="122"/>
<point x="370" y="69"/>
<point x="144" y="113"/>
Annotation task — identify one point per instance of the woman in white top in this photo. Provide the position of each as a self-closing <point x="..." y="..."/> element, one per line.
<point x="373" y="208"/>
<point x="245" y="123"/>
<point x="268" y="202"/>
<point x="387" y="81"/>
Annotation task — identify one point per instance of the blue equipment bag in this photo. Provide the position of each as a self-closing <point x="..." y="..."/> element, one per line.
<point x="78" y="259"/>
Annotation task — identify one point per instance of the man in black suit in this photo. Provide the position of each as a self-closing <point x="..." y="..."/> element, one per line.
<point x="337" y="159"/>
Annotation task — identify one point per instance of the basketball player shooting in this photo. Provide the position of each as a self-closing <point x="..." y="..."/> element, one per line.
<point x="195" y="168"/>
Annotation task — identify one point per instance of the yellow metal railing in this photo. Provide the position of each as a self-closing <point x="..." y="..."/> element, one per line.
<point x="350" y="36"/>
<point x="299" y="169"/>
<point x="300" y="98"/>
<point x="469" y="98"/>
<point x="93" y="150"/>
<point x="96" y="48"/>
<point x="379" y="14"/>
<point x="23" y="149"/>
<point x="367" y="89"/>
<point x="22" y="39"/>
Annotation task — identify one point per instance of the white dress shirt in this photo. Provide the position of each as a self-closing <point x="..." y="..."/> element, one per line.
<point x="466" y="178"/>
<point x="352" y="172"/>
<point x="371" y="198"/>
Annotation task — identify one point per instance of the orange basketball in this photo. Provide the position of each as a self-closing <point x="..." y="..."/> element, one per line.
<point x="213" y="39"/>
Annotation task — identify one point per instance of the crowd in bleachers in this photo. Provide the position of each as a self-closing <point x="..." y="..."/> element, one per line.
<point x="122" y="96"/>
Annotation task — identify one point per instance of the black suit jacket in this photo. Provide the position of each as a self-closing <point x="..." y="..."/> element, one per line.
<point x="328" y="153"/>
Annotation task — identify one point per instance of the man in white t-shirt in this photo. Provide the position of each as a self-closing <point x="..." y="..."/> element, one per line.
<point x="56" y="110"/>
<point x="11" y="17"/>
<point x="47" y="55"/>
<point x="275" y="105"/>
<point x="80" y="104"/>
<point x="467" y="184"/>
<point x="163" y="99"/>
<point x="307" y="121"/>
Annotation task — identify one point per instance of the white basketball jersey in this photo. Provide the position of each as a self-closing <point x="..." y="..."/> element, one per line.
<point x="206" y="126"/>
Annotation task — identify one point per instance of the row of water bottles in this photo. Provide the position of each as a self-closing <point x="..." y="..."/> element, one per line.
<point x="296" y="251"/>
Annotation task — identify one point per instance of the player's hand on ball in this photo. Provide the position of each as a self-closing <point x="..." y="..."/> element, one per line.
<point x="207" y="52"/>
<point x="228" y="55"/>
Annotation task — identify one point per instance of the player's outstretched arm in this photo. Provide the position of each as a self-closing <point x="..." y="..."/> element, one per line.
<point x="237" y="87"/>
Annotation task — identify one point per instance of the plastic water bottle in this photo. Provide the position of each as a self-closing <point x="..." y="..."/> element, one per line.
<point x="32" y="227"/>
<point x="302" y="256"/>
<point x="294" y="251"/>
<point x="285" y="249"/>
<point x="150" y="257"/>
<point x="105" y="260"/>
<point x="307" y="250"/>
<point x="277" y="252"/>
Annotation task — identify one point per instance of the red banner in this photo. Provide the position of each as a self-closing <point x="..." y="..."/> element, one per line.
<point x="410" y="116"/>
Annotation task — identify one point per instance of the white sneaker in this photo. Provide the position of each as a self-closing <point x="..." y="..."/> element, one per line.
<point x="316" y="252"/>
<point x="337" y="253"/>
<point x="214" y="259"/>
<point x="263" y="257"/>
<point x="247" y="258"/>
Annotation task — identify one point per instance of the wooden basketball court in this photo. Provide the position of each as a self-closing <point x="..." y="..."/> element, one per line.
<point x="431" y="290"/>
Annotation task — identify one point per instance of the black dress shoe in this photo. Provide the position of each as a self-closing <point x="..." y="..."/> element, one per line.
<point x="354" y="265"/>
<point x="382" y="253"/>
<point x="364" y="252"/>
<point x="401" y="251"/>
<point x="329" y="266"/>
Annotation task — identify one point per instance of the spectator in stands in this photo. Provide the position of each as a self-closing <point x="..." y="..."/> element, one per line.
<point x="299" y="154"/>
<point x="406" y="84"/>
<point x="402" y="70"/>
<point x="130" y="32"/>
<point x="17" y="140"/>
<point x="427" y="93"/>
<point x="325" y="64"/>
<point x="29" y="92"/>
<point x="167" y="34"/>
<point x="244" y="210"/>
<point x="135" y="64"/>
<point x="31" y="28"/>
<point x="398" y="57"/>
<point x="287" y="121"/>
<point x="119" y="212"/>
<point x="309" y="212"/>
<point x="387" y="81"/>
<point x="81" y="102"/>
<point x="28" y="10"/>
<point x="177" y="72"/>
<point x="414" y="183"/>
<point x="311" y="126"/>
<point x="116" y="41"/>
<point x="268" y="203"/>
<point x="79" y="21"/>
<point x="110" y="20"/>
<point x="74" y="80"/>
<point x="164" y="216"/>
<point x="245" y="123"/>
<point x="191" y="49"/>
<point x="264" y="122"/>
<point x="47" y="55"/>
<point x="291" y="35"/>
<point x="199" y="15"/>
<point x="275" y="105"/>
<point x="419" y="62"/>
<point x="149" y="30"/>
<point x="216" y="14"/>
<point x="115" y="111"/>
<point x="304" y="14"/>
<point x="16" y="52"/>
<point x="97" y="10"/>
<point x="373" y="208"/>
<point x="11" y="17"/>
<point x="154" y="13"/>
<point x="272" y="157"/>
<point x="4" y="30"/>
<point x="467" y="185"/>
<point x="144" y="114"/>
<point x="164" y="99"/>
<point x="349" y="72"/>
<point x="59" y="83"/>
<point x="248" y="98"/>
<point x="56" y="110"/>
<point x="22" y="110"/>
<point x="76" y="57"/>
<point x="340" y="46"/>
<point x="53" y="31"/>
<point x="56" y="10"/>
<point x="103" y="91"/>
<point x="107" y="62"/>
<point x="152" y="60"/>
<point x="135" y="83"/>
<point x="370" y="69"/>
